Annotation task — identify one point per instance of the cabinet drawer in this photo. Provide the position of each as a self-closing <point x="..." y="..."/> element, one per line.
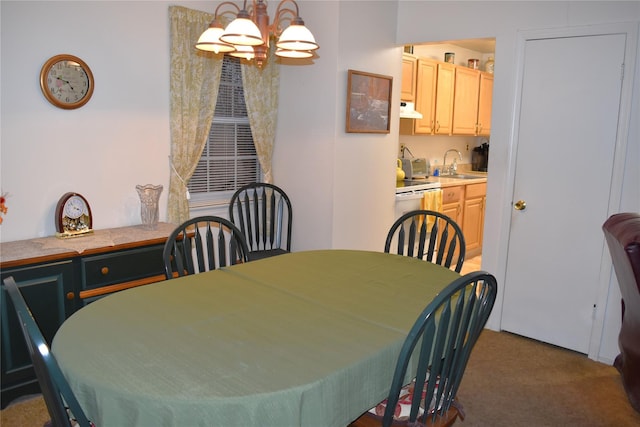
<point x="476" y="190"/>
<point x="452" y="194"/>
<point x="123" y="266"/>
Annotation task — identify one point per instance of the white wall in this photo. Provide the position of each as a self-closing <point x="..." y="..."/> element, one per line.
<point x="364" y="187"/>
<point x="102" y="150"/>
<point x="303" y="158"/>
<point x="342" y="185"/>
<point x="439" y="21"/>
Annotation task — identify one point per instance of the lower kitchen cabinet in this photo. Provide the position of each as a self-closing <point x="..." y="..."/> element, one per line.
<point x="58" y="277"/>
<point x="465" y="204"/>
<point x="473" y="217"/>
<point x="452" y="203"/>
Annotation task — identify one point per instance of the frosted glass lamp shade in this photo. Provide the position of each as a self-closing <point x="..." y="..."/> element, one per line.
<point x="210" y="40"/>
<point x="242" y="31"/>
<point x="297" y="37"/>
<point x="244" y="52"/>
<point x="297" y="54"/>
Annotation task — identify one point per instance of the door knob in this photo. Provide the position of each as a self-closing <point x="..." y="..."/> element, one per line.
<point x="520" y="205"/>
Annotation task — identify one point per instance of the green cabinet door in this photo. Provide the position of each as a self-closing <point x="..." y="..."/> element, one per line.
<point x="45" y="288"/>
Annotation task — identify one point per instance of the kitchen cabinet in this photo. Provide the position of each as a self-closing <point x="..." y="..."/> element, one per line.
<point x="409" y="75"/>
<point x="465" y="204"/>
<point x="434" y="99"/>
<point x="444" y="99"/>
<point x="58" y="277"/>
<point x="473" y="217"/>
<point x="484" y="104"/>
<point x="453" y="100"/>
<point x="465" y="101"/>
<point x="453" y="202"/>
<point x="452" y="205"/>
<point x="472" y="102"/>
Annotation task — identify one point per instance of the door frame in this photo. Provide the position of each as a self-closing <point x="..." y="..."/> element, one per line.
<point x="606" y="278"/>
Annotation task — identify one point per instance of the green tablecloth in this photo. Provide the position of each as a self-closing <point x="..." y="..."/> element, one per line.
<point x="303" y="339"/>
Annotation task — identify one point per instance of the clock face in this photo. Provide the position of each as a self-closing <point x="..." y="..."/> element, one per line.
<point x="75" y="207"/>
<point x="73" y="216"/>
<point x="66" y="81"/>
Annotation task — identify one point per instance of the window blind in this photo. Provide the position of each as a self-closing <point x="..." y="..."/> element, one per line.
<point x="229" y="158"/>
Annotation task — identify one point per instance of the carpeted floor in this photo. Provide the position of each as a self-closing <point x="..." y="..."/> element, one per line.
<point x="28" y="411"/>
<point x="510" y="381"/>
<point x="513" y="381"/>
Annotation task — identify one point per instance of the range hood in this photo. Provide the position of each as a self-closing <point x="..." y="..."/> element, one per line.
<point x="407" y="111"/>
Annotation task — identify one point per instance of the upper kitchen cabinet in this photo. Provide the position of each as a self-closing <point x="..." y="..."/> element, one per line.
<point x="472" y="102"/>
<point x="409" y="74"/>
<point x="484" y="104"/>
<point x="465" y="101"/>
<point x="434" y="99"/>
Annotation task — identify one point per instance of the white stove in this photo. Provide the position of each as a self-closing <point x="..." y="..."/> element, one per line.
<point x="410" y="192"/>
<point x="415" y="185"/>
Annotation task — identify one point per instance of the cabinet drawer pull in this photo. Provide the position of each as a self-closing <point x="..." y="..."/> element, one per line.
<point x="104" y="271"/>
<point x="70" y="295"/>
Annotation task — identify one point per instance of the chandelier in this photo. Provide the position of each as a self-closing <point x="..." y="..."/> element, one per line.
<point x="248" y="35"/>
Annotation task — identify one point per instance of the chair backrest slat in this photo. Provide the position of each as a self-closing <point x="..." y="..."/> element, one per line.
<point x="277" y="232"/>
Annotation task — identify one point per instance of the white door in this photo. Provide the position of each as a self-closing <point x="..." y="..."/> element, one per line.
<point x="566" y="140"/>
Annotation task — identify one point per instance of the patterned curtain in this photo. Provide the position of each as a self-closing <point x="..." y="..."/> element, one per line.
<point x="195" y="77"/>
<point x="261" y="86"/>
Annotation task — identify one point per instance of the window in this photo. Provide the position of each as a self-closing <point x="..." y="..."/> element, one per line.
<point x="229" y="158"/>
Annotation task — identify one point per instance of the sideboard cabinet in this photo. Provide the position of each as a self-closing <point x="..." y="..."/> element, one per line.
<point x="58" y="277"/>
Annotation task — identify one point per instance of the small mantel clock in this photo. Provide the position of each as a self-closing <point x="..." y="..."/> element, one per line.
<point x="73" y="216"/>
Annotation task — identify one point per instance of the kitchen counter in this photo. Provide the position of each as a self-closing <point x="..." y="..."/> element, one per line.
<point x="450" y="181"/>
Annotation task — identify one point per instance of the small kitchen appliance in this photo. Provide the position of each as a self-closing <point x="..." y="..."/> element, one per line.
<point x="415" y="168"/>
<point x="480" y="158"/>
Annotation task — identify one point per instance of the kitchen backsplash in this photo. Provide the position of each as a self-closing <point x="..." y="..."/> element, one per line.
<point x="433" y="147"/>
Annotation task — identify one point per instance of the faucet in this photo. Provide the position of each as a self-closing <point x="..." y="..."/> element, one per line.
<point x="453" y="168"/>
<point x="403" y="149"/>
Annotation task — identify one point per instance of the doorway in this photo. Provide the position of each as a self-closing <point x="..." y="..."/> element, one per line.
<point x="565" y="175"/>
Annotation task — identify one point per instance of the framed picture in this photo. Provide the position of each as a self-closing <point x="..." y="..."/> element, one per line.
<point x="368" y="102"/>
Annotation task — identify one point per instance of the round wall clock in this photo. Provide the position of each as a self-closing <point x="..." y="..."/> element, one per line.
<point x="66" y="81"/>
<point x="73" y="216"/>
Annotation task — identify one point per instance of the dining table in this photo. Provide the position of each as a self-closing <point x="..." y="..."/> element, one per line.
<point x="307" y="338"/>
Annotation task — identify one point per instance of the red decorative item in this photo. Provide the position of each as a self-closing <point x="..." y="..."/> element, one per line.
<point x="3" y="206"/>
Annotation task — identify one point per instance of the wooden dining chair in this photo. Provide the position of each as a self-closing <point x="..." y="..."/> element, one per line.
<point x="622" y="233"/>
<point x="434" y="355"/>
<point x="202" y="244"/>
<point x="428" y="235"/>
<point x="263" y="213"/>
<point x="62" y="405"/>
